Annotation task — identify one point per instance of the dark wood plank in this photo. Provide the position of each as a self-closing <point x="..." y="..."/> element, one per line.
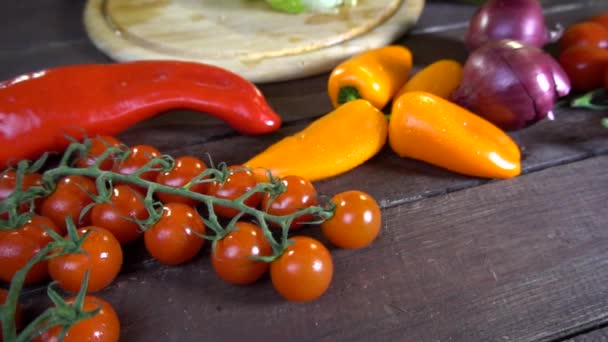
<point x="574" y="135"/>
<point x="523" y="260"/>
<point x="597" y="335"/>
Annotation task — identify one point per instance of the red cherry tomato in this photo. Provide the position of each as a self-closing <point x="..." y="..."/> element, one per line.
<point x="126" y="204"/>
<point x="18" y="312"/>
<point x="585" y="33"/>
<point x="98" y="146"/>
<point x="8" y="183"/>
<point x="231" y="256"/>
<point x="601" y="19"/>
<point x="102" y="257"/>
<point x="140" y="155"/>
<point x="585" y="66"/>
<point x="299" y="194"/>
<point x="184" y="170"/>
<point x="356" y="221"/>
<point x="304" y="271"/>
<point x="103" y="327"/>
<point x="70" y="197"/>
<point x="18" y="246"/>
<point x="238" y="182"/>
<point x="173" y="239"/>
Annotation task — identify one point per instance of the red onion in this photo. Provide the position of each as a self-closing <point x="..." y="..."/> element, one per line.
<point x="520" y="20"/>
<point x="511" y="84"/>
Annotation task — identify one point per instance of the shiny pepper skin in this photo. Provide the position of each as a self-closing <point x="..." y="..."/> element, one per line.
<point x="440" y="78"/>
<point x="38" y="109"/>
<point x="374" y="75"/>
<point x="333" y="144"/>
<point x="429" y="128"/>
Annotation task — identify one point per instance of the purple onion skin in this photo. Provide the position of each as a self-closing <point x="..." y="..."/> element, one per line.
<point x="520" y="20"/>
<point x="511" y="84"/>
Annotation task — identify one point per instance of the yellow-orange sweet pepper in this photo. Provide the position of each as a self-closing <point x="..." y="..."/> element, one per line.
<point x="440" y="78"/>
<point x="427" y="127"/>
<point x="374" y="75"/>
<point x="333" y="144"/>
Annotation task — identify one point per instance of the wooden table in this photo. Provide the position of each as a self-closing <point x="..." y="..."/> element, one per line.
<point x="459" y="258"/>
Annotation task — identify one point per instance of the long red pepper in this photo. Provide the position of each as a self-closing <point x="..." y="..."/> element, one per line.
<point x="38" y="109"/>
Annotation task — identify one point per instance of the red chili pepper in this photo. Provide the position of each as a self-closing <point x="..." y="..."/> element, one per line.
<point x="38" y="109"/>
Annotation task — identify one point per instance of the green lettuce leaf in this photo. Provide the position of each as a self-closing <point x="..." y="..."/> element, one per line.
<point x="289" y="6"/>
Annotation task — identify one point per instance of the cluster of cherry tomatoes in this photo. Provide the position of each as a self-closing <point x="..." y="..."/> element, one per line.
<point x="79" y="217"/>
<point x="584" y="53"/>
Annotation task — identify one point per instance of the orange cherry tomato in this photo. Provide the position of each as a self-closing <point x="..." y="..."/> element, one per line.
<point x="601" y="19"/>
<point x="184" y="170"/>
<point x="8" y="183"/>
<point x="118" y="215"/>
<point x="173" y="239"/>
<point x="585" y="33"/>
<point x="103" y="327"/>
<point x="299" y="194"/>
<point x="98" y="146"/>
<point x="70" y="197"/>
<point x="304" y="271"/>
<point x="140" y="155"/>
<point x="238" y="183"/>
<point x="585" y="66"/>
<point x="356" y="221"/>
<point x="102" y="257"/>
<point x="231" y="256"/>
<point x="18" y="246"/>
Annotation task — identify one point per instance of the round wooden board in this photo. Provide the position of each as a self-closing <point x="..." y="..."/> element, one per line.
<point x="245" y="36"/>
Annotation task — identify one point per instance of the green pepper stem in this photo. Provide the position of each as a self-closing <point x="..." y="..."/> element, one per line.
<point x="348" y="93"/>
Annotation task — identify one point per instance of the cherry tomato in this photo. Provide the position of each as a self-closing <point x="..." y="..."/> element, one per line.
<point x="601" y="19"/>
<point x="585" y="33"/>
<point x="99" y="145"/>
<point x="185" y="169"/>
<point x="231" y="256"/>
<point x="299" y="194"/>
<point x="585" y="66"/>
<point x="356" y="221"/>
<point x="102" y="256"/>
<point x="238" y="182"/>
<point x="18" y="314"/>
<point x="304" y="271"/>
<point x="103" y="327"/>
<point x="18" y="246"/>
<point x="8" y="183"/>
<point x="140" y="156"/>
<point x="173" y="239"/>
<point x="70" y="197"/>
<point x="126" y="204"/>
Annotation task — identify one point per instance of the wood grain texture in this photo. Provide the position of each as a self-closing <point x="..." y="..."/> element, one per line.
<point x="246" y="37"/>
<point x="522" y="260"/>
<point x="574" y="135"/>
<point x="460" y="259"/>
<point x="598" y="335"/>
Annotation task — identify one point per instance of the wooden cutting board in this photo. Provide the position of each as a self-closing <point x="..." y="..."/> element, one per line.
<point x="245" y="36"/>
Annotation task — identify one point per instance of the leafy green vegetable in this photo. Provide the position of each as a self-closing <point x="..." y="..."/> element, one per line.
<point x="299" y="6"/>
<point x="289" y="6"/>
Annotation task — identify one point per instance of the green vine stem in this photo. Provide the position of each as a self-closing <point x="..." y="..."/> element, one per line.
<point x="587" y="99"/>
<point x="272" y="188"/>
<point x="68" y="314"/>
<point x="62" y="314"/>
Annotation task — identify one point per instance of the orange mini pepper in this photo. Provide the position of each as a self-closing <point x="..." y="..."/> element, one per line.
<point x="440" y="78"/>
<point x="333" y="144"/>
<point x="374" y="75"/>
<point x="427" y="127"/>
